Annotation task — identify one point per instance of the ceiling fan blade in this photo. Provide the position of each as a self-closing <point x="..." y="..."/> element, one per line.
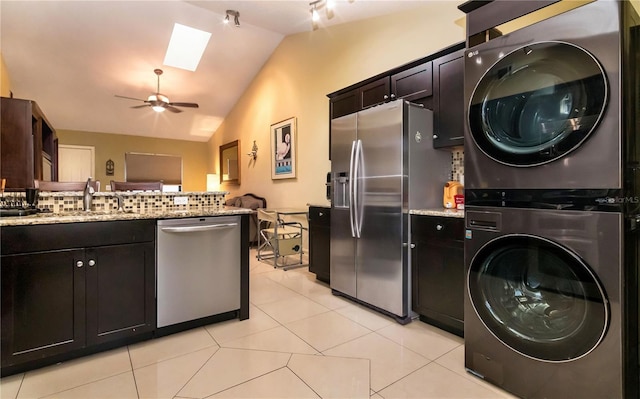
<point x="190" y="105"/>
<point x="141" y="106"/>
<point x="130" y="98"/>
<point x="172" y="109"/>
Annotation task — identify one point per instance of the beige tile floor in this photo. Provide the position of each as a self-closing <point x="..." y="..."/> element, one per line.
<point x="300" y="342"/>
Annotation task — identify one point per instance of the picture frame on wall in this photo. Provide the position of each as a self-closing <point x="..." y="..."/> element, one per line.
<point x="283" y="149"/>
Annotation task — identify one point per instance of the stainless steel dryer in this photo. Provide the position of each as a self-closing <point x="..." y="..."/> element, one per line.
<point x="543" y="304"/>
<point x="544" y="104"/>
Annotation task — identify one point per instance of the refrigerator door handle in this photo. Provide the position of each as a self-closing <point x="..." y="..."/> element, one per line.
<point x="356" y="193"/>
<point x="351" y="202"/>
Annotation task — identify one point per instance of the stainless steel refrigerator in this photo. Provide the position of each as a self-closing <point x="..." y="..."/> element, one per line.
<point x="382" y="165"/>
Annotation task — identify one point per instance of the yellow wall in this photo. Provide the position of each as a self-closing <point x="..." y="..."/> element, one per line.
<point x="300" y="73"/>
<point x="113" y="146"/>
<point x="5" y="81"/>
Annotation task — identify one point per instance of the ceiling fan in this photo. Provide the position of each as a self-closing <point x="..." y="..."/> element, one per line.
<point x="159" y="102"/>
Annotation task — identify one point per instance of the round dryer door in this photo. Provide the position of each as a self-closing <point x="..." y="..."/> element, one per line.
<point x="538" y="298"/>
<point x="537" y="103"/>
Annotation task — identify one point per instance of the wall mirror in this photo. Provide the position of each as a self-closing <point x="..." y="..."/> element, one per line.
<point x="229" y="163"/>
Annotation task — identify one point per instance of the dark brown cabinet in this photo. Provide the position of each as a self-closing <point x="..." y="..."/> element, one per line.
<point x="407" y="83"/>
<point x="414" y="83"/>
<point x="29" y="144"/>
<point x="374" y="93"/>
<point x="438" y="271"/>
<point x="344" y="104"/>
<point x="80" y="287"/>
<point x="320" y="242"/>
<point x="448" y="100"/>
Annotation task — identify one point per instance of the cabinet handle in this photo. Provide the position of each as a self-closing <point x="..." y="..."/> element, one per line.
<point x="386" y="97"/>
<point x="412" y="246"/>
<point x="435" y="136"/>
<point x="92" y="262"/>
<point x="439" y="227"/>
<point x="320" y="214"/>
<point x="79" y="263"/>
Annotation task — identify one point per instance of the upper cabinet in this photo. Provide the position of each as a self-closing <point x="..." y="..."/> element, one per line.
<point x="374" y="93"/>
<point x="448" y="100"/>
<point x="410" y="84"/>
<point x="436" y="81"/>
<point x="29" y="144"/>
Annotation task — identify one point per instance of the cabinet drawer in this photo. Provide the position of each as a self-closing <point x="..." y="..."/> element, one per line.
<point x="443" y="228"/>
<point x="319" y="216"/>
<point x="47" y="237"/>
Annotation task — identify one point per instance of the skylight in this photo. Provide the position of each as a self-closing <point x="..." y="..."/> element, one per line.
<point x="186" y="47"/>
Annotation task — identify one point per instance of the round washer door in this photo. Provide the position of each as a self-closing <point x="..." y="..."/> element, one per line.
<point x="537" y="103"/>
<point x="538" y="298"/>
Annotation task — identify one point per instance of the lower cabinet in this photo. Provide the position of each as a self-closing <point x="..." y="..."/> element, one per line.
<point x="438" y="271"/>
<point x="320" y="243"/>
<point x="81" y="286"/>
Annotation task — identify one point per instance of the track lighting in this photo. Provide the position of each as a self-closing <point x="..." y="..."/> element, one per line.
<point x="317" y="5"/>
<point x="236" y="17"/>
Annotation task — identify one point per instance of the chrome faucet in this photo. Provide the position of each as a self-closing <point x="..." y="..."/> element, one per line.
<point x="88" y="196"/>
<point x="120" y="199"/>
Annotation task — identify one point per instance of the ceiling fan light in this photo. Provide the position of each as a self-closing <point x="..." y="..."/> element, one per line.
<point x="158" y="108"/>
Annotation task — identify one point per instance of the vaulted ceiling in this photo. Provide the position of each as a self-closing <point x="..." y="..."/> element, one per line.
<point x="73" y="57"/>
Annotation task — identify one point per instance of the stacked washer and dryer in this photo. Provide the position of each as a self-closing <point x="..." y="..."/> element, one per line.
<point x="552" y="201"/>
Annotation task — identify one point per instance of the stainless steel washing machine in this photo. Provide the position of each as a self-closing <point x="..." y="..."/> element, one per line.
<point x="544" y="104"/>
<point x="544" y="303"/>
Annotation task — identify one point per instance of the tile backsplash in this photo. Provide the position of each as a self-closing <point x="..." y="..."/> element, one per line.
<point x="457" y="164"/>
<point x="138" y="202"/>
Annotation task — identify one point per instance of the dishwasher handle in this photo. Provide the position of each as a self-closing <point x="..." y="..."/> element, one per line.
<point x="206" y="227"/>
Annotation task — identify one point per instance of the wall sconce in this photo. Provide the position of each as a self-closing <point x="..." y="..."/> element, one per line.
<point x="236" y="17"/>
<point x="254" y="151"/>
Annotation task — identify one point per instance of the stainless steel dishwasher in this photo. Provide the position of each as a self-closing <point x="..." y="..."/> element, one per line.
<point x="198" y="263"/>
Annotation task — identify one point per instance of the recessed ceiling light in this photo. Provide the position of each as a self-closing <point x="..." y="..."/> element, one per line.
<point x="186" y="47"/>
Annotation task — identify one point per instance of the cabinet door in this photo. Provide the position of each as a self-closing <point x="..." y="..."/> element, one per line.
<point x="448" y="101"/>
<point x="375" y="93"/>
<point x="17" y="144"/>
<point x="120" y="291"/>
<point x="320" y="243"/>
<point x="344" y="104"/>
<point x="413" y="83"/>
<point x="438" y="271"/>
<point x="43" y="305"/>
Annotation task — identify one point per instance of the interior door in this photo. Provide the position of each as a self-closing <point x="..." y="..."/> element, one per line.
<point x="76" y="163"/>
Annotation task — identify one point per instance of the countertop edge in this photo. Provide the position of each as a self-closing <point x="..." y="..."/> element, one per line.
<point x="82" y="217"/>
<point x="451" y="213"/>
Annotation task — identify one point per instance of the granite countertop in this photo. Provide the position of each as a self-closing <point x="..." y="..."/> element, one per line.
<point x="452" y="213"/>
<point x="105" y="216"/>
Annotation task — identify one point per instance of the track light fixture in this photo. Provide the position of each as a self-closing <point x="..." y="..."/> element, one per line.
<point x="236" y="17"/>
<point x="316" y="5"/>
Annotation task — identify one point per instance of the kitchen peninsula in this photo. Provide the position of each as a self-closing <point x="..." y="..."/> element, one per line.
<point x="78" y="282"/>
